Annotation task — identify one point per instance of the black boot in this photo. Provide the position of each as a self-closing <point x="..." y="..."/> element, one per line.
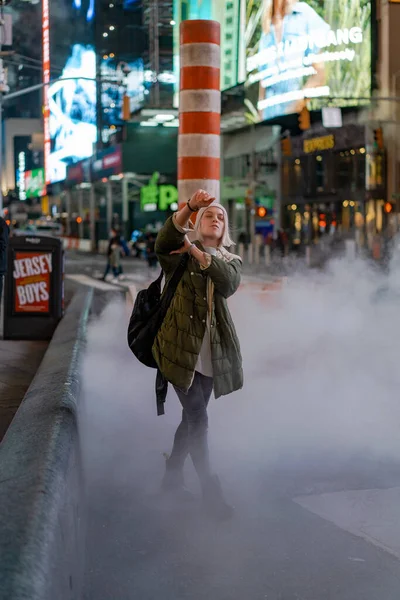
<point x="214" y="501"/>
<point x="173" y="481"/>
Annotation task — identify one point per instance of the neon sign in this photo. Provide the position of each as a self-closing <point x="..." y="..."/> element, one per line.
<point x="46" y="81"/>
<point x="161" y="197"/>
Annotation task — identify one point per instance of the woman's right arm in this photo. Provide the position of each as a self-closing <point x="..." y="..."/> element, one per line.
<point x="171" y="236"/>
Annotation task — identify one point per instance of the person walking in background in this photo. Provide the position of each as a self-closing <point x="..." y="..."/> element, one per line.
<point x="114" y="251"/>
<point x="196" y="348"/>
<point x="4" y="234"/>
<point x="150" y="251"/>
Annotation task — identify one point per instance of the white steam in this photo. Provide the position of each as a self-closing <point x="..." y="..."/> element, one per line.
<point x="322" y="380"/>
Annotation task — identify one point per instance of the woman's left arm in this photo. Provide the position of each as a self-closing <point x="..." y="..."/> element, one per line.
<point x="225" y="275"/>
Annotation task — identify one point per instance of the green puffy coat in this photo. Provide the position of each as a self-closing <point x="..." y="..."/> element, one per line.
<point x="179" y="340"/>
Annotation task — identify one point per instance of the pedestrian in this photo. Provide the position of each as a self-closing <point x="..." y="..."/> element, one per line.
<point x="114" y="251"/>
<point x="4" y="234"/>
<point x="196" y="348"/>
<point x="150" y="251"/>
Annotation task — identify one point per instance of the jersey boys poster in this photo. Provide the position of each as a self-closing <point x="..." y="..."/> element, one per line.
<point x="31" y="273"/>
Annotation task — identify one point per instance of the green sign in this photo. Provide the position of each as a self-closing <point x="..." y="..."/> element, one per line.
<point x="158" y="197"/>
<point x="35" y="185"/>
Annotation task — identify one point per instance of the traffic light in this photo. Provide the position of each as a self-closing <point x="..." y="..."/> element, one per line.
<point x="261" y="212"/>
<point x="378" y="138"/>
<point x="286" y="146"/>
<point x="126" y="108"/>
<point x="249" y="198"/>
<point x="388" y="207"/>
<point x="304" y="119"/>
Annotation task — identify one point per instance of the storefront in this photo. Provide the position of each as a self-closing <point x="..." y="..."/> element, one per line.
<point x="130" y="202"/>
<point x="333" y="183"/>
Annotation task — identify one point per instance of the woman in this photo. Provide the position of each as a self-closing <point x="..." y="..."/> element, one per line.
<point x="197" y="349"/>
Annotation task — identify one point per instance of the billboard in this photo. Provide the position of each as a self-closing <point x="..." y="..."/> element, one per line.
<point x="31" y="275"/>
<point x="120" y="78"/>
<point x="312" y="51"/>
<point x="70" y="102"/>
<point x="35" y="184"/>
<point x="228" y="15"/>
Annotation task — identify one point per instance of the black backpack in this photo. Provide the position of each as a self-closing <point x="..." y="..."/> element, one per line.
<point x="148" y="313"/>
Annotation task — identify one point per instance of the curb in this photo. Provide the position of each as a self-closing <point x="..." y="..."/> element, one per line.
<point x="41" y="487"/>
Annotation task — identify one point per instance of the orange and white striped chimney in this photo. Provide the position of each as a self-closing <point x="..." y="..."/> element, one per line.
<point x="199" y="109"/>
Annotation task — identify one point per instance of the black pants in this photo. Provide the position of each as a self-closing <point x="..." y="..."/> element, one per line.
<point x="1" y="286"/>
<point x="191" y="435"/>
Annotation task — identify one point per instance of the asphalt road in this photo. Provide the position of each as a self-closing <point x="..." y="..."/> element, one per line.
<point x="311" y="523"/>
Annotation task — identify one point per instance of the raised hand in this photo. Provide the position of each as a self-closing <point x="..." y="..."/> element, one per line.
<point x="201" y="199"/>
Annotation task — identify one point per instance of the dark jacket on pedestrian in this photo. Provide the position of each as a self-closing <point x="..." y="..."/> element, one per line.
<point x="179" y="340"/>
<point x="114" y="241"/>
<point x="4" y="232"/>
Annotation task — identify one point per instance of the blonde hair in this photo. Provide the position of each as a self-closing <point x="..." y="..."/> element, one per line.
<point x="268" y="12"/>
<point x="226" y="239"/>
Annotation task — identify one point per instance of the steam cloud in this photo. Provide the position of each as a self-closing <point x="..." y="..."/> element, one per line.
<point x="321" y="395"/>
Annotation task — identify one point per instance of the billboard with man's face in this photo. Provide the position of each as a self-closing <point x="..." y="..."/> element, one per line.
<point x="300" y="52"/>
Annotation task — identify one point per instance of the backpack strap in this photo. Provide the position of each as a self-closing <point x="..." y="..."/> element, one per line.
<point x="177" y="275"/>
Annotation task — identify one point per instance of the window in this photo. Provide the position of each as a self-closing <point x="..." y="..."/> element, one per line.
<point x="361" y="171"/>
<point x="320" y="172"/>
<point x="237" y="167"/>
<point x="375" y="175"/>
<point x="345" y="168"/>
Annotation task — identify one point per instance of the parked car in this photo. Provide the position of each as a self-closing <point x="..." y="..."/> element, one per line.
<point x="46" y="228"/>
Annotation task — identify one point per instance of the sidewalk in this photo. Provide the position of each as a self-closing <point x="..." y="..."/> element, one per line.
<point x="19" y="361"/>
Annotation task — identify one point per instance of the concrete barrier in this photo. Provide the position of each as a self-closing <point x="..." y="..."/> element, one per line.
<point x="41" y="504"/>
<point x="70" y="243"/>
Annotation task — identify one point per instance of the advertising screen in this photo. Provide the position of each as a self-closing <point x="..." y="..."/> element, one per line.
<point x="31" y="274"/>
<point x="317" y="50"/>
<point x="71" y="100"/>
<point x="228" y="15"/>
<point x="120" y="78"/>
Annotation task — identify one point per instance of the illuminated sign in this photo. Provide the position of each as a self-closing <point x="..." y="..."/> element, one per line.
<point x="72" y="104"/>
<point x="31" y="274"/>
<point x="315" y="50"/>
<point x="120" y="78"/>
<point x="21" y="176"/>
<point x="46" y="80"/>
<point x="317" y="144"/>
<point x="70" y="108"/>
<point x="35" y="185"/>
<point x="158" y="197"/>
